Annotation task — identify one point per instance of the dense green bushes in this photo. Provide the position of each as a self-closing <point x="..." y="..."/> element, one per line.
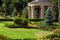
<point x="24" y="13"/>
<point x="55" y="35"/>
<point x="21" y="22"/>
<point x="11" y="25"/>
<point x="57" y="31"/>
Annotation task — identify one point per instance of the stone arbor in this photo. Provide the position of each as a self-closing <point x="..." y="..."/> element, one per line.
<point x="41" y="5"/>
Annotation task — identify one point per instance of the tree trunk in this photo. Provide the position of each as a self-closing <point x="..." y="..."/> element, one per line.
<point x="59" y="11"/>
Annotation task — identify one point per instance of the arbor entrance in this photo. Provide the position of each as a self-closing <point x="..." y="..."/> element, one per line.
<point x="38" y="8"/>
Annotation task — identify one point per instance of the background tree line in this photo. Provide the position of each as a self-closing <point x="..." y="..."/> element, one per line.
<point x="9" y="6"/>
<point x="12" y="7"/>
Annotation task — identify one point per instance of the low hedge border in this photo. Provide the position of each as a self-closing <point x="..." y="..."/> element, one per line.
<point x="28" y="19"/>
<point x="6" y="19"/>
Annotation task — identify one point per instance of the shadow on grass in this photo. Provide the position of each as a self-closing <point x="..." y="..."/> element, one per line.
<point x="24" y="39"/>
<point x="24" y="26"/>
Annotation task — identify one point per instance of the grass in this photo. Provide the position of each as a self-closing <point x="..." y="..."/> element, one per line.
<point x="21" y="33"/>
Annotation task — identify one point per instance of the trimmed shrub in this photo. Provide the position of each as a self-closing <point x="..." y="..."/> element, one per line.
<point x="21" y="22"/>
<point x="35" y="19"/>
<point x="17" y="21"/>
<point x="6" y="19"/>
<point x="10" y="25"/>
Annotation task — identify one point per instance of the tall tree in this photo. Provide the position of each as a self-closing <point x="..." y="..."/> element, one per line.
<point x="48" y="17"/>
<point x="59" y="10"/>
<point x="8" y="7"/>
<point x="0" y="2"/>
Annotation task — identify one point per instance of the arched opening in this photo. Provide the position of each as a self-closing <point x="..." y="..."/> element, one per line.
<point x="37" y="11"/>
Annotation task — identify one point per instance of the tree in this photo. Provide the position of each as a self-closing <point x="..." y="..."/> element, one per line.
<point x="59" y="10"/>
<point x="48" y="17"/>
<point x="0" y="2"/>
<point x="24" y="13"/>
<point x="19" y="6"/>
<point x="8" y="7"/>
<point x="55" y="8"/>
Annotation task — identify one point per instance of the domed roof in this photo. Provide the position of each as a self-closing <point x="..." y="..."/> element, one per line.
<point x="37" y="2"/>
<point x="41" y="0"/>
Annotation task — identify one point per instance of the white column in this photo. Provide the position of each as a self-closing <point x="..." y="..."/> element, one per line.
<point x="32" y="12"/>
<point x="29" y="12"/>
<point x="42" y="12"/>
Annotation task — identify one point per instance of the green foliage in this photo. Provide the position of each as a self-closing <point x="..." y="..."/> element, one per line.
<point x="55" y="35"/>
<point x="17" y="21"/>
<point x="10" y="25"/>
<point x="56" y="25"/>
<point x="57" y="31"/>
<point x="2" y="37"/>
<point x="22" y="4"/>
<point x="21" y="22"/>
<point x="21" y="33"/>
<point x="8" y="6"/>
<point x="24" y="13"/>
<point x="40" y="25"/>
<point x="49" y="17"/>
<point x="55" y="8"/>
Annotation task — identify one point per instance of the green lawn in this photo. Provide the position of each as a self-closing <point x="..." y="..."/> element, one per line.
<point x="17" y="33"/>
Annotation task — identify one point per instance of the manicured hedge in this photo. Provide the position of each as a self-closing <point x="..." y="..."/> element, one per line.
<point x="35" y="19"/>
<point x="28" y="19"/>
<point x="21" y="19"/>
<point x="6" y="19"/>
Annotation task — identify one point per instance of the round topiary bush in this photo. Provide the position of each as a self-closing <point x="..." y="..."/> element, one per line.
<point x="17" y="21"/>
<point x="21" y="22"/>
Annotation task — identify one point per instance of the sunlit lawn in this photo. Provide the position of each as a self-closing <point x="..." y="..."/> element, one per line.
<point x="17" y="33"/>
